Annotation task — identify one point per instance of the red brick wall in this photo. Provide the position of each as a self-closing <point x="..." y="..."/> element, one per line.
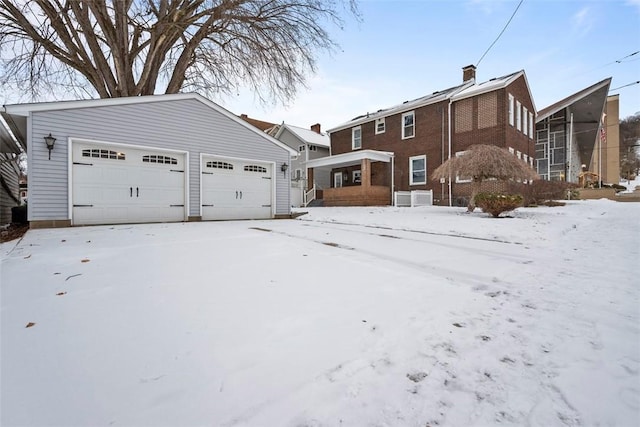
<point x="431" y="137"/>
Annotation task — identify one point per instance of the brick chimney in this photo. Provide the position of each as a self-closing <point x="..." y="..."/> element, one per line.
<point x="468" y="73"/>
<point x="316" y="128"/>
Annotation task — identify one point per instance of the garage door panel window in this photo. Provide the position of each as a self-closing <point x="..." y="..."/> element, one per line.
<point x="153" y="158"/>
<point x="255" y="168"/>
<point x="219" y="165"/>
<point x="103" y="154"/>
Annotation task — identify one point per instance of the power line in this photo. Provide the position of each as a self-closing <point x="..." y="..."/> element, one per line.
<point x="501" y="32"/>
<point x="620" y="87"/>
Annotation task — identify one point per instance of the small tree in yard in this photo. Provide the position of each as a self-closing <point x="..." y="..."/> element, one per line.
<point x="482" y="162"/>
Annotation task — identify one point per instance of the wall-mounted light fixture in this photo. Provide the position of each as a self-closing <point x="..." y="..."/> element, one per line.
<point x="50" y="141"/>
<point x="284" y="168"/>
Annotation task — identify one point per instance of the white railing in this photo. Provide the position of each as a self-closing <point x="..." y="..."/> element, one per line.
<point x="309" y="196"/>
<point x="413" y="198"/>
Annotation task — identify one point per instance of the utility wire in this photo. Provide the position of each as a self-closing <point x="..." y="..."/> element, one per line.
<point x="620" y="87"/>
<point x="501" y="32"/>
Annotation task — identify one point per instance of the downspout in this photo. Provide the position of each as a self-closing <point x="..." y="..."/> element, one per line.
<point x="442" y="150"/>
<point x="568" y="178"/>
<point x="449" y="132"/>
<point x="393" y="183"/>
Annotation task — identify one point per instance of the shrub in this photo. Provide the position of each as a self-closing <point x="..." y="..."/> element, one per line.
<point x="496" y="203"/>
<point x="540" y="191"/>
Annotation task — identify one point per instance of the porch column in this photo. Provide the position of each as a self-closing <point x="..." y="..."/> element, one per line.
<point x="365" y="174"/>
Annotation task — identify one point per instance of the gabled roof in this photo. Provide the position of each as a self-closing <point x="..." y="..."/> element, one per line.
<point x="13" y="113"/>
<point x="564" y="103"/>
<point x="467" y="89"/>
<point x="260" y="124"/>
<point x="306" y="135"/>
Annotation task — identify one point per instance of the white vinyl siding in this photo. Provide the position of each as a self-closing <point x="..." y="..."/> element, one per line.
<point x="417" y="170"/>
<point x="184" y="124"/>
<point x="408" y="125"/>
<point x="356" y="138"/>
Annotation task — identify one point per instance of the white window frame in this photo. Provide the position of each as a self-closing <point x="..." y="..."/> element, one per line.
<point x="298" y="174"/>
<point x="530" y="125"/>
<point x="411" y="159"/>
<point x="525" y="157"/>
<point x="411" y="114"/>
<point x="356" y="176"/>
<point x="379" y="122"/>
<point x="337" y="180"/>
<point x="525" y="123"/>
<point x="458" y="179"/>
<point x="356" y="142"/>
<point x="518" y="154"/>
<point x="518" y="116"/>
<point x="512" y="150"/>
<point x="511" y="112"/>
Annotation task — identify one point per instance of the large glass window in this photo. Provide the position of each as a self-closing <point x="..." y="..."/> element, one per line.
<point x="408" y="125"/>
<point x="417" y="170"/>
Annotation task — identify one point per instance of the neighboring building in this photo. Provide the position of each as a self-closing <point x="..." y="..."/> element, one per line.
<point x="23" y="185"/>
<point x="10" y="149"/>
<point x="143" y="159"/>
<point x="260" y="124"/>
<point x="399" y="147"/>
<point x="311" y="144"/>
<point x="574" y="134"/>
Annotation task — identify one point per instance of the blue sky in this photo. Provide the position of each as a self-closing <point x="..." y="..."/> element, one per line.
<point x="405" y="49"/>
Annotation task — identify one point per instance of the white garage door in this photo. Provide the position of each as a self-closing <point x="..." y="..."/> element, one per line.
<point x="117" y="184"/>
<point x="236" y="189"/>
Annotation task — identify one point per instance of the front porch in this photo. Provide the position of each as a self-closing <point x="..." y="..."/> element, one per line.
<point x="364" y="188"/>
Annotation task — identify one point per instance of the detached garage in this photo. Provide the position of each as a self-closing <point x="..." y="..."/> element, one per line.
<point x="162" y="158"/>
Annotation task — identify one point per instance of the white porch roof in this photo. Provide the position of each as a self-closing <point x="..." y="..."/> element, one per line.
<point x="350" y="159"/>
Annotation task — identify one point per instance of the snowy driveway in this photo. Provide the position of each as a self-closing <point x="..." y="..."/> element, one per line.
<point x="352" y="316"/>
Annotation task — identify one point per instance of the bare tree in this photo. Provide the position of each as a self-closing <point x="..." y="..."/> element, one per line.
<point x="142" y="47"/>
<point x="481" y="162"/>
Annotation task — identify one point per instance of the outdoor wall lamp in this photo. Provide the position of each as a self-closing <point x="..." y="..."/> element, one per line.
<point x="284" y="168"/>
<point x="50" y="141"/>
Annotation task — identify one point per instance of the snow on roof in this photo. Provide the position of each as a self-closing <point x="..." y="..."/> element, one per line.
<point x="565" y="102"/>
<point x="465" y="90"/>
<point x="309" y="136"/>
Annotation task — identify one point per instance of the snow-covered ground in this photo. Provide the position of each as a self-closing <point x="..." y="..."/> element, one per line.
<point x="345" y="316"/>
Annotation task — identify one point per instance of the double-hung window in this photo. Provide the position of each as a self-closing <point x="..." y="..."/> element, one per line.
<point x="462" y="179"/>
<point x="380" y="126"/>
<point x="356" y="138"/>
<point x="417" y="170"/>
<point x="518" y="116"/>
<point x="525" y="117"/>
<point x="531" y="125"/>
<point x="408" y="125"/>
<point x="511" y="112"/>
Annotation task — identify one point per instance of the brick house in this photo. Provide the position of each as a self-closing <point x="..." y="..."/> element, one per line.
<point x="411" y="139"/>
